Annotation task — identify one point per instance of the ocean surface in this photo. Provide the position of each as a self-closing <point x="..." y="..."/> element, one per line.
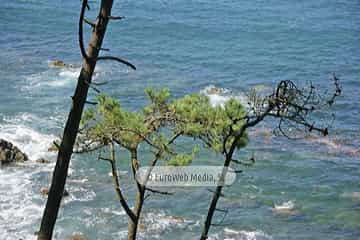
<point x="303" y="189"/>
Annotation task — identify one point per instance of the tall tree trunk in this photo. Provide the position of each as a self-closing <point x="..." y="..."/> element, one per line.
<point x="215" y="199"/>
<point x="72" y="124"/>
<point x="132" y="225"/>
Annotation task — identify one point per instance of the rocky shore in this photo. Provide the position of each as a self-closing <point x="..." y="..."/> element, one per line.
<point x="9" y="153"/>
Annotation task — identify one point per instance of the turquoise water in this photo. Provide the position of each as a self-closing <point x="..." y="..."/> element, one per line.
<point x="186" y="46"/>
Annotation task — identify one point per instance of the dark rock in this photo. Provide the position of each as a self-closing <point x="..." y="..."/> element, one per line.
<point x="61" y="64"/>
<point x="44" y="191"/>
<point x="9" y="153"/>
<point x="42" y="160"/>
<point x="66" y="193"/>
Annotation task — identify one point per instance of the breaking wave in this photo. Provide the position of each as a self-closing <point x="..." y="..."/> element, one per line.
<point x="219" y="96"/>
<point x="231" y="234"/>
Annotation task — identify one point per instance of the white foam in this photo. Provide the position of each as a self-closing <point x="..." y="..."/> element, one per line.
<point x="52" y="78"/>
<point x="19" y="208"/>
<point x="219" y="96"/>
<point x="115" y="212"/>
<point x="285" y="206"/>
<point x="64" y="77"/>
<point x="245" y="235"/>
<point x="156" y="224"/>
<point x="57" y="77"/>
<point x="119" y="173"/>
<point x="351" y="195"/>
<point x="70" y="72"/>
<point x="231" y="234"/>
<point x="30" y="141"/>
<point x="20" y="200"/>
<point x="80" y="194"/>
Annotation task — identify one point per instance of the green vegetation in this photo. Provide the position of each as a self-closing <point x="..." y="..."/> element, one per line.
<point x="190" y="116"/>
<point x="158" y="125"/>
<point x="221" y="129"/>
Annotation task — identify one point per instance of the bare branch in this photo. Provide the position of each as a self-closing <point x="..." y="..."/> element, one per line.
<point x="221" y="210"/>
<point x="115" y="176"/>
<point x="81" y="38"/>
<point x="92" y="87"/>
<point x="87" y="149"/>
<point x="337" y="89"/>
<point x="99" y="83"/>
<point x="91" y="103"/>
<point x="118" y="60"/>
<point x="56" y="145"/>
<point x="101" y="48"/>
<point x="216" y="192"/>
<point x="288" y="104"/>
<point x="92" y="24"/>
<point x="248" y="164"/>
<point x="87" y="6"/>
<point x="115" y="17"/>
<point x="147" y="196"/>
<point x="158" y="191"/>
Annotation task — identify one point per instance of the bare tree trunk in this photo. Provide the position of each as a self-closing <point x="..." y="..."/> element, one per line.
<point x="72" y="124"/>
<point x="132" y="225"/>
<point x="215" y="199"/>
<point x="115" y="176"/>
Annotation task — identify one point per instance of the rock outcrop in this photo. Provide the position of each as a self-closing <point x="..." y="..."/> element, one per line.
<point x="42" y="160"/>
<point x="61" y="64"/>
<point x="9" y="153"/>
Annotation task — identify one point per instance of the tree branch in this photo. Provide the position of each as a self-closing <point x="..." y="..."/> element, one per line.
<point x="92" y="24"/>
<point x="118" y="60"/>
<point x="115" y="17"/>
<point x="158" y="191"/>
<point x="81" y="39"/>
<point x="115" y="176"/>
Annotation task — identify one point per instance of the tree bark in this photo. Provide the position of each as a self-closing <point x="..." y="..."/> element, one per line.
<point x="215" y="199"/>
<point x="132" y="225"/>
<point x="118" y="191"/>
<point x="72" y="124"/>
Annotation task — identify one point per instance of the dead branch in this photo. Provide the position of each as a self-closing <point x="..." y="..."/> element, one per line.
<point x="99" y="83"/>
<point x="87" y="149"/>
<point x="159" y="192"/>
<point x="115" y="17"/>
<point x="91" y="103"/>
<point x="287" y="103"/>
<point x="92" y="87"/>
<point x="115" y="176"/>
<point x="81" y="37"/>
<point x="118" y="60"/>
<point x="251" y="162"/>
<point x="92" y="24"/>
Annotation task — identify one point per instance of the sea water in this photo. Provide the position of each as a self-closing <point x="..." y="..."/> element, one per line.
<point x="304" y="189"/>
